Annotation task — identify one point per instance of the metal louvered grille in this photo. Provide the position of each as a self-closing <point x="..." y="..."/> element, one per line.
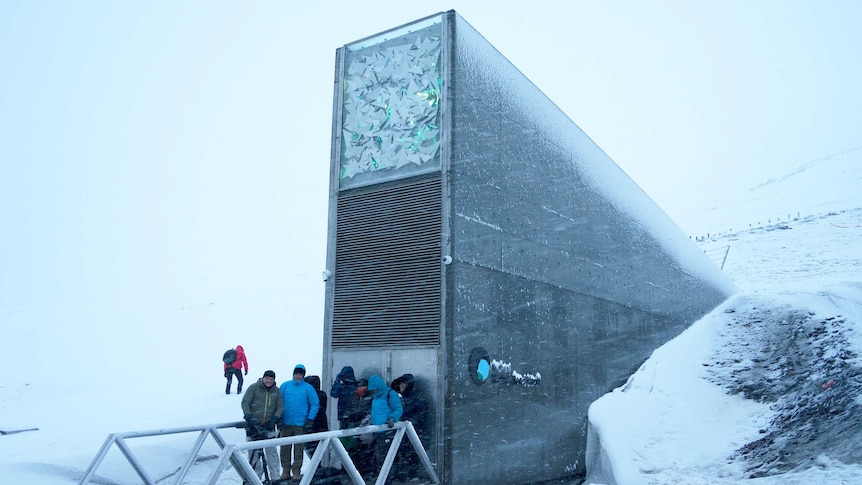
<point x="387" y="266"/>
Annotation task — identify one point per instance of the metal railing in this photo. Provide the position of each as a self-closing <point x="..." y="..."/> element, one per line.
<point x="232" y="453"/>
<point x="120" y="440"/>
<point x="718" y="255"/>
<point x="328" y="439"/>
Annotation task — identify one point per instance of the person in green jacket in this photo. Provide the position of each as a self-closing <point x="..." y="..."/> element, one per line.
<point x="262" y="407"/>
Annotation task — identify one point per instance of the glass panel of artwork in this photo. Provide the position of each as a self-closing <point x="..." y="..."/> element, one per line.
<point x="390" y="116"/>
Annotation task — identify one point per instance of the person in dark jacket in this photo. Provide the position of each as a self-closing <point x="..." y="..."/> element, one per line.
<point x="413" y="403"/>
<point x="262" y="407"/>
<point x="320" y="421"/>
<point x="235" y="369"/>
<point x="359" y="406"/>
<point x="342" y="389"/>
<point x="415" y="409"/>
<point x="359" y="410"/>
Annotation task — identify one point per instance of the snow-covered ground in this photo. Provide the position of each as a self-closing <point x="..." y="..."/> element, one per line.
<point x="765" y="387"/>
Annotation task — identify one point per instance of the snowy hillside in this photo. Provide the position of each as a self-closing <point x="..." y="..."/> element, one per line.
<point x="805" y="188"/>
<point x="765" y="389"/>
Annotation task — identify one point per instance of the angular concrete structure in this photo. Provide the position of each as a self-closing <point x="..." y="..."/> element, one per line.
<point x="479" y="240"/>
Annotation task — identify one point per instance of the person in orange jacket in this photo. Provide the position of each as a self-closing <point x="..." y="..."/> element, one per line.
<point x="236" y="368"/>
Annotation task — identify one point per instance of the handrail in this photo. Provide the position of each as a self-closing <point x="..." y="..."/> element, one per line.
<point x="231" y="453"/>
<point x="715" y="254"/>
<point x="120" y="440"/>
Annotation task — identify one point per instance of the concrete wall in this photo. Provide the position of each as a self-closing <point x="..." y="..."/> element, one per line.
<point x="553" y="274"/>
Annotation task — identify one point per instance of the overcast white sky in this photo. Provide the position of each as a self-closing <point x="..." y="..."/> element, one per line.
<point x="178" y="151"/>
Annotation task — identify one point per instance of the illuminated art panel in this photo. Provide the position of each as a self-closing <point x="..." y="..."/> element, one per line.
<point x="390" y="116"/>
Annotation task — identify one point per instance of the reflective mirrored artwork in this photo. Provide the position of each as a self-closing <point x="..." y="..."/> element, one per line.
<point x="390" y="123"/>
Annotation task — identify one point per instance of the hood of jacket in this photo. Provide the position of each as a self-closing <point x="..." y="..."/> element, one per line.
<point x="347" y="373"/>
<point x="406" y="379"/>
<point x="385" y="403"/>
<point x="376" y="384"/>
<point x="314" y="381"/>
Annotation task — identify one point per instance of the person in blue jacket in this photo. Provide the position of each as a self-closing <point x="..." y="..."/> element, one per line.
<point x="385" y="409"/>
<point x="300" y="408"/>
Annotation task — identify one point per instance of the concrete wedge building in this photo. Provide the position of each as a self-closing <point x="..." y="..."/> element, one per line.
<point x="479" y="240"/>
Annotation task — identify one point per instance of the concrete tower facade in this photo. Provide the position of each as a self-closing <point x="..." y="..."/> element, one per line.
<point x="479" y="240"/>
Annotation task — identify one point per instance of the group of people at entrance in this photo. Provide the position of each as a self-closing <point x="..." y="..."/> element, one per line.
<point x="370" y="401"/>
<point x="295" y="408"/>
<point x="298" y="407"/>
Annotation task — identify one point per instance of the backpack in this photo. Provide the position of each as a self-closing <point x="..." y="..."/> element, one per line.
<point x="229" y="356"/>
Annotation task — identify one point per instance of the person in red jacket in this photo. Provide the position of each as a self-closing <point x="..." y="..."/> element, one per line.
<point x="235" y="369"/>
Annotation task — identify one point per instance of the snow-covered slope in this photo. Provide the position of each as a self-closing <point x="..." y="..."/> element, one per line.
<point x="766" y="387"/>
<point x="804" y="188"/>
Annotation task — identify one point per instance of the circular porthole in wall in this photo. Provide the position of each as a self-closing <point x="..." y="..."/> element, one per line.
<point x="480" y="365"/>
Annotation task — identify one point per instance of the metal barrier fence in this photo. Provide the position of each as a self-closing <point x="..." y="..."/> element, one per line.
<point x="120" y="440"/>
<point x="232" y="453"/>
<point x="718" y="255"/>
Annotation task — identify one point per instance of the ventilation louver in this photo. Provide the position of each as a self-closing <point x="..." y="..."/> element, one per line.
<point x="387" y="269"/>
